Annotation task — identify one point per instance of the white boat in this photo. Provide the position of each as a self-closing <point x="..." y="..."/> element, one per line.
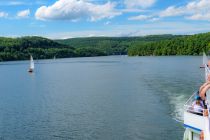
<point x="197" y="126"/>
<point x="31" y="68"/>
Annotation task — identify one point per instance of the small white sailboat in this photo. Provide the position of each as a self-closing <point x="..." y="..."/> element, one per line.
<point x="31" y="68"/>
<point x="197" y="125"/>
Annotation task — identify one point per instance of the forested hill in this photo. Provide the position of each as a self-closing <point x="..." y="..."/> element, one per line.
<point x="96" y="41"/>
<point x="43" y="48"/>
<point x="113" y="45"/>
<point x="185" y="45"/>
<point x="40" y="48"/>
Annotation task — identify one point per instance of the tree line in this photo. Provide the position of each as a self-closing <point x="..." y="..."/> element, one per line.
<point x="113" y="45"/>
<point x="43" y="48"/>
<point x="40" y="48"/>
<point x="185" y="45"/>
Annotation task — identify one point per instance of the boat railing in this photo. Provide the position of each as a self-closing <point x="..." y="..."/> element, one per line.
<point x="188" y="106"/>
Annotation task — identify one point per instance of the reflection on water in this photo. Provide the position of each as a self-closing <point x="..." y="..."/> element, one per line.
<point x="106" y="98"/>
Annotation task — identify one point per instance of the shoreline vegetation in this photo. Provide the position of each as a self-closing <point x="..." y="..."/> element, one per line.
<point x="42" y="48"/>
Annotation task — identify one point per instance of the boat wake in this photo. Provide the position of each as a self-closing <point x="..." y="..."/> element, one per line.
<point x="177" y="103"/>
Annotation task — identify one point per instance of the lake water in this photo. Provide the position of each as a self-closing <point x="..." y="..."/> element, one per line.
<point x="98" y="98"/>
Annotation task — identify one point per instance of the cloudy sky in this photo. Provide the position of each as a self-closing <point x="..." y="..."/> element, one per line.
<point x="82" y="18"/>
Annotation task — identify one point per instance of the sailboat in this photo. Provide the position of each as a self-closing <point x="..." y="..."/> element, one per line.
<point x="197" y="125"/>
<point x="31" y="68"/>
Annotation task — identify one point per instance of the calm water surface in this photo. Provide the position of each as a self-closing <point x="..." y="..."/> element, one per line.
<point x="99" y="98"/>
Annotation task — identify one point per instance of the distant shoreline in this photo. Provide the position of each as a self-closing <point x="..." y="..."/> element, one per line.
<point x="153" y="45"/>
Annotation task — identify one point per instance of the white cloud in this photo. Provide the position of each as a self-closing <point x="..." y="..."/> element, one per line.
<point x="36" y="25"/>
<point x="107" y="23"/>
<point x="3" y="14"/>
<point x="154" y="19"/>
<point x="74" y="10"/>
<point x="200" y="17"/>
<point x="15" y="3"/>
<point x="116" y="30"/>
<point x="172" y="11"/>
<point x="12" y="3"/>
<point x="136" y="30"/>
<point x="140" y="17"/>
<point x="132" y="10"/>
<point x="23" y="14"/>
<point x="194" y="10"/>
<point x="139" y="3"/>
<point x="151" y="18"/>
<point x="21" y="2"/>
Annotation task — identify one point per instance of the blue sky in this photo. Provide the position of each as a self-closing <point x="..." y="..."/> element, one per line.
<point x="84" y="18"/>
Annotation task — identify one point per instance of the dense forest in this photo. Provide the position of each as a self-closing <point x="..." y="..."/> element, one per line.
<point x="113" y="45"/>
<point x="43" y="48"/>
<point x="185" y="45"/>
<point x="40" y="48"/>
<point x="21" y="48"/>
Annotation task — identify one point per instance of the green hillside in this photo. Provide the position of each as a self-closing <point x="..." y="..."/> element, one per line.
<point x="113" y="45"/>
<point x="40" y="48"/>
<point x="43" y="48"/>
<point x="185" y="45"/>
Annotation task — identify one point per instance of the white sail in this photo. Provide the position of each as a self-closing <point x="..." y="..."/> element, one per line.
<point x="31" y="63"/>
